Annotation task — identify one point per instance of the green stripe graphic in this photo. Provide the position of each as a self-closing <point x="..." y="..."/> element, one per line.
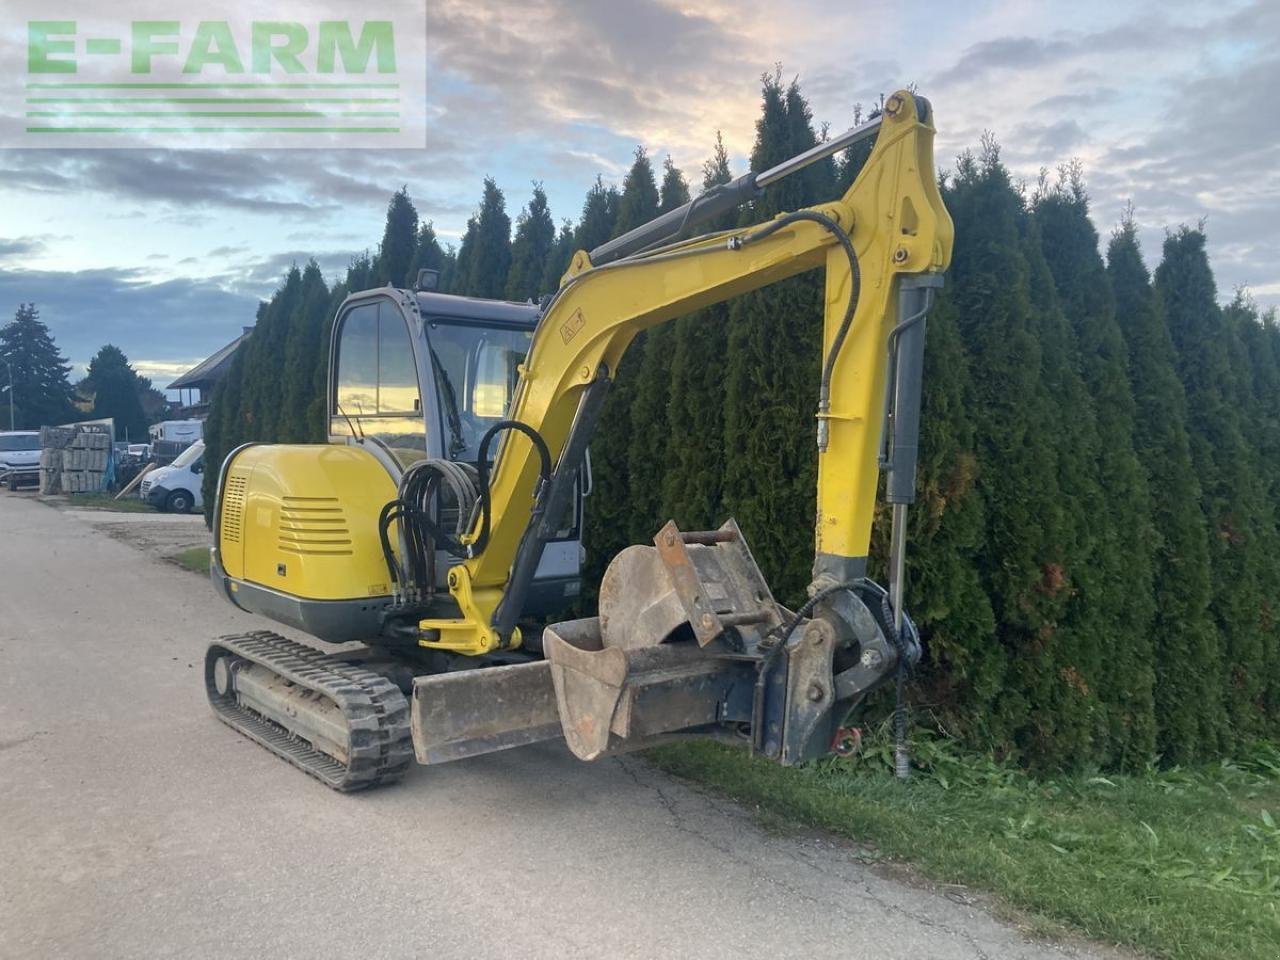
<point x="214" y="86"/>
<point x="366" y="114"/>
<point x="213" y="129"/>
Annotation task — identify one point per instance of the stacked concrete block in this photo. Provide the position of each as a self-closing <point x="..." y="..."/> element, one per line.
<point x="74" y="459"/>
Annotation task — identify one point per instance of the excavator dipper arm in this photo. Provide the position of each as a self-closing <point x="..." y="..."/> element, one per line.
<point x="890" y="227"/>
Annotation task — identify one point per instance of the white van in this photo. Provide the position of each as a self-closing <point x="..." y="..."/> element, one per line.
<point x="20" y="457"/>
<point x="176" y="488"/>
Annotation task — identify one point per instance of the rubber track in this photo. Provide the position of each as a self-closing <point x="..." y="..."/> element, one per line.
<point x="380" y="745"/>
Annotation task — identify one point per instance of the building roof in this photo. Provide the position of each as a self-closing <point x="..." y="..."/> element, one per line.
<point x="208" y="373"/>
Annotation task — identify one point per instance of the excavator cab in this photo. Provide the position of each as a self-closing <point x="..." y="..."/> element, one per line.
<point x="413" y="376"/>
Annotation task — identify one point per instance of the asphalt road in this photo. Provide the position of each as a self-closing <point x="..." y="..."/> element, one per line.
<point x="134" y="824"/>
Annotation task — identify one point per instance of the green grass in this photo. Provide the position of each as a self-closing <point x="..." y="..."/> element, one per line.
<point x="1180" y="863"/>
<point x="195" y="559"/>
<point x="107" y="501"/>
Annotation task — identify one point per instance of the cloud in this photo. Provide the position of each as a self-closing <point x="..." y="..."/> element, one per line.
<point x="85" y="309"/>
<point x="20" y="247"/>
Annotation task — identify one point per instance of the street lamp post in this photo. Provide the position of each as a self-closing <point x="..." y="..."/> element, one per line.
<point x="10" y="388"/>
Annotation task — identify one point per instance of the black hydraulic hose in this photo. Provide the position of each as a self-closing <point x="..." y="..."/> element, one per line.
<point x="855" y="293"/>
<point x="544" y="473"/>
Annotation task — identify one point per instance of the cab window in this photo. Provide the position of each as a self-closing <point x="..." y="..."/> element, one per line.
<point x="376" y="391"/>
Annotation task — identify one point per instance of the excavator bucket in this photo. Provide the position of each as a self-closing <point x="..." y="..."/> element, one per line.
<point x="674" y="651"/>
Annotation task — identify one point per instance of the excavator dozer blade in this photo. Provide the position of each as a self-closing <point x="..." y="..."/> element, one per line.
<point x="470" y="712"/>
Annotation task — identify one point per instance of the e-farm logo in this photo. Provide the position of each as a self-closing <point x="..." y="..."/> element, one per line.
<point x="295" y="80"/>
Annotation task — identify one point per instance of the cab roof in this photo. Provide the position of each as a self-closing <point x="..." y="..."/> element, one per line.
<point x="445" y="305"/>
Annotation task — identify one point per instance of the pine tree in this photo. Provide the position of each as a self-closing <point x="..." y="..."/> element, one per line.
<point x="41" y="394"/>
<point x="1188" y="689"/>
<point x="1115" y="601"/>
<point x="535" y="236"/>
<point x="261" y="411"/>
<point x="695" y="405"/>
<point x="599" y="214"/>
<point x="399" y="241"/>
<point x="1233" y="499"/>
<point x="489" y="255"/>
<point x="116" y="389"/>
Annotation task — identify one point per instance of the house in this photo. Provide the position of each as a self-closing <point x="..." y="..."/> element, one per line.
<point x="195" y="387"/>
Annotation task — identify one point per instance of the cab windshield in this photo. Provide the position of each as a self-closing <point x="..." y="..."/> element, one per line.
<point x="30" y="441"/>
<point x="189" y="455"/>
<point x="476" y="371"/>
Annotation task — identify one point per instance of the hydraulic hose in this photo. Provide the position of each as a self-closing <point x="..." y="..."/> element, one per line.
<point x="846" y="322"/>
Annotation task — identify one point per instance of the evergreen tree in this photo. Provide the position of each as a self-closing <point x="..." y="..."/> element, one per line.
<point x="964" y="671"/>
<point x="489" y="254"/>
<point x="1115" y="601"/>
<point x="461" y="274"/>
<point x="695" y="404"/>
<point x="772" y="367"/>
<point x="599" y="214"/>
<point x="639" y="201"/>
<point x="558" y="259"/>
<point x="535" y="236"/>
<point x="261" y="410"/>
<point x="1233" y="498"/>
<point x="1188" y="686"/>
<point x="41" y="394"/>
<point x="305" y="349"/>
<point x="1021" y="563"/>
<point x="399" y="242"/>
<point x="623" y="507"/>
<point x="649" y="440"/>
<point x="428" y="255"/>
<point x="674" y="191"/>
<point x="117" y="389"/>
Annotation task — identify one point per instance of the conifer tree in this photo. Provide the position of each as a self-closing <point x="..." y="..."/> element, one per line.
<point x="489" y="256"/>
<point x="624" y="507"/>
<point x="1233" y="498"/>
<point x="674" y="191"/>
<point x="599" y="214"/>
<point x="399" y="241"/>
<point x="1021" y="563"/>
<point x="639" y="201"/>
<point x="558" y="259"/>
<point x="535" y="236"/>
<point x="41" y="394"/>
<point x="461" y="274"/>
<point x="117" y="390"/>
<point x="428" y="255"/>
<point x="772" y="367"/>
<point x="305" y="348"/>
<point x="650" y="439"/>
<point x="260" y="409"/>
<point x="1115" y="598"/>
<point x="695" y="405"/>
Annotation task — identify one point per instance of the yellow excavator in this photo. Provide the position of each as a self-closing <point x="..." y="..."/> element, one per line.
<point x="438" y="526"/>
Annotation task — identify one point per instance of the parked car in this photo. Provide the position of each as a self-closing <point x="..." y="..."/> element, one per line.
<point x="19" y="457"/>
<point x="176" y="488"/>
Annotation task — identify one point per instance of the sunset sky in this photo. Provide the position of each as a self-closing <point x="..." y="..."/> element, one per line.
<point x="1169" y="105"/>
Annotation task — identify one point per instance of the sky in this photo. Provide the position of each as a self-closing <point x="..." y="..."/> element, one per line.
<point x="1169" y="105"/>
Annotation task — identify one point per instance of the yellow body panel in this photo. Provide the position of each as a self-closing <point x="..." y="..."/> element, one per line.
<point x="898" y="225"/>
<point x="303" y="520"/>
